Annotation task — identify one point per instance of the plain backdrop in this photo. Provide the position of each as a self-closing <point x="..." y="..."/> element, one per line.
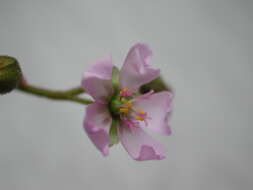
<point x="204" y="50"/>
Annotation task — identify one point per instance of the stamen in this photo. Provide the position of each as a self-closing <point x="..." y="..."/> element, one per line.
<point x="126" y="107"/>
<point x="139" y="118"/>
<point x="128" y="114"/>
<point x="124" y="110"/>
<point x="131" y="124"/>
<point x="140" y="111"/>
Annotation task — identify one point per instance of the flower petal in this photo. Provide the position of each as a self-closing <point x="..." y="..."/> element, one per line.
<point x="139" y="145"/>
<point x="158" y="108"/>
<point x="97" y="79"/>
<point x="97" y="124"/>
<point x="136" y="70"/>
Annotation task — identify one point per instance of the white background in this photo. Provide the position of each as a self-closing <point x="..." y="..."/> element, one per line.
<point x="204" y="50"/>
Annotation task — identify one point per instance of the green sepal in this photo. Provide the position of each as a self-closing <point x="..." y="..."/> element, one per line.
<point x="114" y="139"/>
<point x="115" y="79"/>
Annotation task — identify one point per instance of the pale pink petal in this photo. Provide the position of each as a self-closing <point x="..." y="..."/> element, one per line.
<point x="136" y="70"/>
<point x="96" y="80"/>
<point x="97" y="124"/>
<point x="158" y="108"/>
<point x="139" y="145"/>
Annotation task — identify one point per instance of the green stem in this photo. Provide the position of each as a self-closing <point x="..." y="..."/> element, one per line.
<point x="74" y="91"/>
<point x="67" y="95"/>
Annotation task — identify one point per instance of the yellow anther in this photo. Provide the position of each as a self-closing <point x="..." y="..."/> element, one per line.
<point x="139" y="118"/>
<point x="124" y="110"/>
<point x="128" y="105"/>
<point x="124" y="89"/>
<point x="140" y="111"/>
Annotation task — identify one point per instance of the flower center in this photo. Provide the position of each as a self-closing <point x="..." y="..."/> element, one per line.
<point x="122" y="106"/>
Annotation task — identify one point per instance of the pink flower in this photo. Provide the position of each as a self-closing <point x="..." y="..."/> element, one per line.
<point x="132" y="112"/>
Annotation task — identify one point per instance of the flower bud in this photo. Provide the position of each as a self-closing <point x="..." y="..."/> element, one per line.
<point x="157" y="85"/>
<point x="10" y="74"/>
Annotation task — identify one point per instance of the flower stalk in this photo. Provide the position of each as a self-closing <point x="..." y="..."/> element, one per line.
<point x="66" y="95"/>
<point x="72" y="94"/>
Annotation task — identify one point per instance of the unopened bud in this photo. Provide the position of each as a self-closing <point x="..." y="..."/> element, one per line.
<point x="157" y="85"/>
<point x="10" y="74"/>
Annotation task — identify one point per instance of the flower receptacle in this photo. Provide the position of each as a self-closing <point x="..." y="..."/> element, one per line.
<point x="114" y="106"/>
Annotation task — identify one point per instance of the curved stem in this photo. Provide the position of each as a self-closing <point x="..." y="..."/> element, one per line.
<point x="67" y="95"/>
<point x="74" y="91"/>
